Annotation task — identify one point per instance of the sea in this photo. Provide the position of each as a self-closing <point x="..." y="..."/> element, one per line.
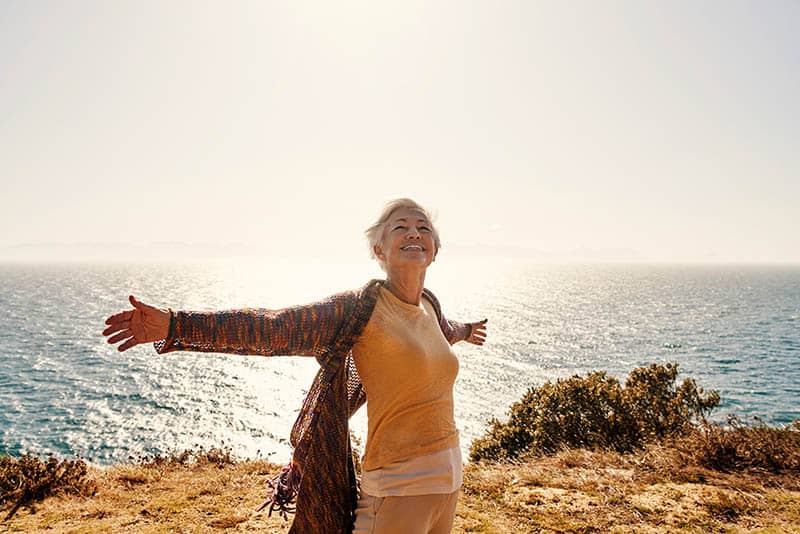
<point x="65" y="391"/>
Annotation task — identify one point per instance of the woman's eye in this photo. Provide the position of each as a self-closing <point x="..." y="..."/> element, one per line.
<point x="425" y="228"/>
<point x="399" y="227"/>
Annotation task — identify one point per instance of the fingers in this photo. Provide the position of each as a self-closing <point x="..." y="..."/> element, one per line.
<point x="121" y="316"/>
<point x="116" y="327"/>
<point x="125" y="334"/>
<point x="479" y="327"/>
<point x="120" y="323"/>
<point x="478" y="332"/>
<point x="128" y="344"/>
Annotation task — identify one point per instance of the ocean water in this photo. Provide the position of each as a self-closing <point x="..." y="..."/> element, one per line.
<point x="64" y="390"/>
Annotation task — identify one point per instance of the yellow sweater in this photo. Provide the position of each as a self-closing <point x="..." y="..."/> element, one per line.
<point x="408" y="370"/>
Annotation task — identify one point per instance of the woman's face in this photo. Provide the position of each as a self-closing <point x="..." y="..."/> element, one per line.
<point x="407" y="240"/>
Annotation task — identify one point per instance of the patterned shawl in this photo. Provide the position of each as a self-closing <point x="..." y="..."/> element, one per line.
<point x="320" y="480"/>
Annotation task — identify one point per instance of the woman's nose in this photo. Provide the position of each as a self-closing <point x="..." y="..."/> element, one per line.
<point x="412" y="233"/>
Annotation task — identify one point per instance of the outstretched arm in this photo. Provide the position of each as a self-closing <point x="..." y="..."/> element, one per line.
<point x="455" y="331"/>
<point x="301" y="330"/>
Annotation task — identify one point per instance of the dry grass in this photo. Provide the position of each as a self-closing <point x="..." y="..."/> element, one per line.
<point x="168" y="497"/>
<point x="573" y="491"/>
<point x="587" y="491"/>
<point x="738" y="446"/>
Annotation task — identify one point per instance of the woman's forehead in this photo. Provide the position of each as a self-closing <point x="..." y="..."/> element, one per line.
<point x="408" y="213"/>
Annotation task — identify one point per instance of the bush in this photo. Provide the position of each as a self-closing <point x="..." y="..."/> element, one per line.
<point x="596" y="412"/>
<point x="28" y="479"/>
<point x="739" y="446"/>
<point x="660" y="409"/>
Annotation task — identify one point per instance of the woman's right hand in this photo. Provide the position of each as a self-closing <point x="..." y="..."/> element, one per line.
<point x="142" y="324"/>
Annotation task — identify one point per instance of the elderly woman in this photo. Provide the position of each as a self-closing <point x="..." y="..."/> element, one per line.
<point x="386" y="344"/>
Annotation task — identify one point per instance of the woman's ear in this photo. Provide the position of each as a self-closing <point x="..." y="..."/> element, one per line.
<point x="378" y="252"/>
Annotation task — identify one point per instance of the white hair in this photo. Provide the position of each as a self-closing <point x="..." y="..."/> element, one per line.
<point x="374" y="233"/>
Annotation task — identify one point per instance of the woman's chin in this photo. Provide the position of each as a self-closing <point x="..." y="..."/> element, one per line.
<point x="419" y="262"/>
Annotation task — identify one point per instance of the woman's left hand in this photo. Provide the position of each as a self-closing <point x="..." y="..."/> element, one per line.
<point x="477" y="332"/>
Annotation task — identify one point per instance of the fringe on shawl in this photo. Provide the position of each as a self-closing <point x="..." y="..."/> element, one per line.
<point x="284" y="491"/>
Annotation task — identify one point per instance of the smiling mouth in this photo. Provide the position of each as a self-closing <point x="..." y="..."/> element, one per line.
<point x="413" y="248"/>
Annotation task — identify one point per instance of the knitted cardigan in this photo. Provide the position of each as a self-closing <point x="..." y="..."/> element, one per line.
<point x="320" y="479"/>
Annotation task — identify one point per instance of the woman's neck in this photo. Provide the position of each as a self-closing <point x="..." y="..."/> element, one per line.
<point x="407" y="285"/>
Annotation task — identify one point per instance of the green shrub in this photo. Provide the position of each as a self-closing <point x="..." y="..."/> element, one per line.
<point x="659" y="408"/>
<point x="596" y="412"/>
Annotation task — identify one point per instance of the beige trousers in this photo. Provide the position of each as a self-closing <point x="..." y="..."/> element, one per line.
<point x="414" y="514"/>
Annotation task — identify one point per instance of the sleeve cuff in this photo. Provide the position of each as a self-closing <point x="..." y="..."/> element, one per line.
<point x="467" y="331"/>
<point x="165" y="345"/>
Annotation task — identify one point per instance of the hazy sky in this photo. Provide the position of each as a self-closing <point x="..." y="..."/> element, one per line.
<point x="647" y="130"/>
